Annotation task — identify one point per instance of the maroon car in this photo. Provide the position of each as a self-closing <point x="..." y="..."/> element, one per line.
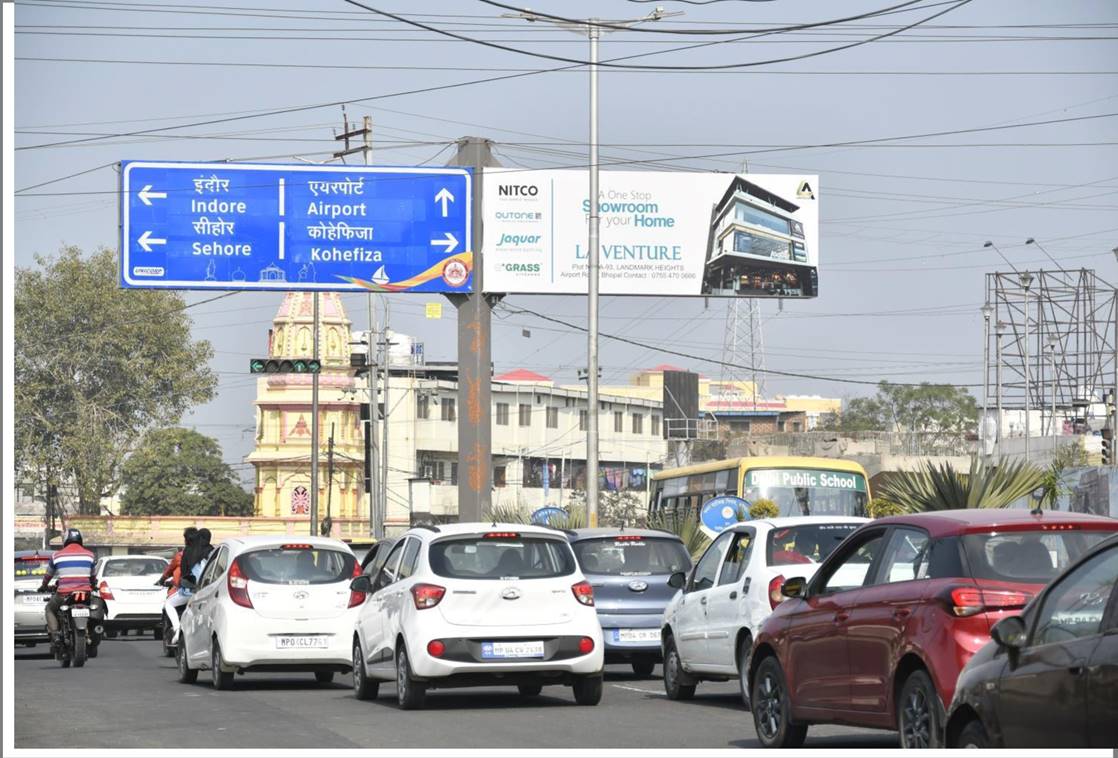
<point x="878" y="636"/>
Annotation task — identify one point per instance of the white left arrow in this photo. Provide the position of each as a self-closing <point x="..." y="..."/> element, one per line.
<point x="146" y="241"/>
<point x="449" y="243"/>
<point x="146" y="195"/>
<point x="443" y="196"/>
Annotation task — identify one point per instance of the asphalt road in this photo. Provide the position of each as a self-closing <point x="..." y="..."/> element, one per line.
<point x="128" y="697"/>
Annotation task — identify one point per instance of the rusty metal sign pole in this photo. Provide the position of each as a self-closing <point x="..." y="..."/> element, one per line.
<point x="475" y="312"/>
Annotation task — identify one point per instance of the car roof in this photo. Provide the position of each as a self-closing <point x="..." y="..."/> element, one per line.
<point x="605" y="531"/>
<point x="108" y="558"/>
<point x="240" y="544"/>
<point x="963" y="521"/>
<point x="473" y="527"/>
<point x="787" y="521"/>
<point x="33" y="553"/>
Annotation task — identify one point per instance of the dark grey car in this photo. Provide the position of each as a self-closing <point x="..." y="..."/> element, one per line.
<point x="629" y="571"/>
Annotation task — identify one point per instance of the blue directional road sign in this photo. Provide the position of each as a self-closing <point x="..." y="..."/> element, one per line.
<point x="253" y="226"/>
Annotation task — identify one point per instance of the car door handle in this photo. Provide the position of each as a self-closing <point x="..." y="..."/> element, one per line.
<point x="734" y="595"/>
<point x="902" y="613"/>
<point x="841" y="616"/>
<point x="703" y="600"/>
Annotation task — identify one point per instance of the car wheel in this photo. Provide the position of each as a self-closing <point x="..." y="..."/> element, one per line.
<point x="530" y="690"/>
<point x="673" y="669"/>
<point x="222" y="680"/>
<point x="168" y="633"/>
<point x="91" y="651"/>
<point x="410" y="694"/>
<point x="919" y="713"/>
<point x="588" y="690"/>
<point x="187" y="675"/>
<point x="157" y="632"/>
<point x="743" y="669"/>
<point x="974" y="736"/>
<point x="643" y="668"/>
<point x="364" y="688"/>
<point x="772" y="708"/>
<point x="110" y="633"/>
<point x="324" y="677"/>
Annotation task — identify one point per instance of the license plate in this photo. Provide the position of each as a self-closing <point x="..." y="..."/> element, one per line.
<point x="636" y="635"/>
<point x="80" y="613"/>
<point x="304" y="641"/>
<point x="512" y="649"/>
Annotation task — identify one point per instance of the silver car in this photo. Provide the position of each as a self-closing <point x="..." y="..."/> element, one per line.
<point x="30" y="604"/>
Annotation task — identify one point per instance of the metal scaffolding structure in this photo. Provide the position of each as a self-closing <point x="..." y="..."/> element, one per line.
<point x="743" y="351"/>
<point x="1052" y="350"/>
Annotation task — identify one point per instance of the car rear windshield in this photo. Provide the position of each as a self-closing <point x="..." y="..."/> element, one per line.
<point x="503" y="557"/>
<point x="134" y="567"/>
<point x="626" y="556"/>
<point x="297" y="565"/>
<point x="26" y="567"/>
<point x="1032" y="557"/>
<point x="806" y="543"/>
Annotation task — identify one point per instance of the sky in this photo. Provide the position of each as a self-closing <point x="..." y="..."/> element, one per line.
<point x="903" y="223"/>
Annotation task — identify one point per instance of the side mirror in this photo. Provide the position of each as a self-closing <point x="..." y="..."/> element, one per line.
<point x="1009" y="633"/>
<point x="361" y="584"/>
<point x="677" y="580"/>
<point x="794" y="587"/>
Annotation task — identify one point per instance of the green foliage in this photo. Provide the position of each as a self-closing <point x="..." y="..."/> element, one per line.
<point x="686" y="527"/>
<point x="95" y="367"/>
<point x="922" y="408"/>
<point x="179" y="472"/>
<point x="937" y="487"/>
<point x="764" y="508"/>
<point x="879" y="507"/>
<point x="1064" y="457"/>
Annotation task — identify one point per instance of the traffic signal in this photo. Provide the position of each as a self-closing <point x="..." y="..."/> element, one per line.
<point x="284" y="366"/>
<point x="1107" y="446"/>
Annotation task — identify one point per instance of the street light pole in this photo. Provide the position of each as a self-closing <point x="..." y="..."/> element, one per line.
<point x="593" y="29"/>
<point x="1026" y="280"/>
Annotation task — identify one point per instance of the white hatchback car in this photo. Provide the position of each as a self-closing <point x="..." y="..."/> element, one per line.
<point x="271" y="604"/>
<point x="710" y="624"/>
<point x="132" y="599"/>
<point x="478" y="604"/>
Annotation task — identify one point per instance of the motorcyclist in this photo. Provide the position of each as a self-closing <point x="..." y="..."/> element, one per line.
<point x="193" y="563"/>
<point x="176" y="598"/>
<point x="73" y="567"/>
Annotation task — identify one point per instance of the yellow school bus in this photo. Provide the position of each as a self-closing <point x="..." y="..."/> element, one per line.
<point x="799" y="485"/>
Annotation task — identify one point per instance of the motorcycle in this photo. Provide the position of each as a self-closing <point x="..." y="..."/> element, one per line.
<point x="79" y="625"/>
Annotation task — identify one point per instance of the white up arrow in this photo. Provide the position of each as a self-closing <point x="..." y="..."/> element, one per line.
<point x="146" y="195"/>
<point x="442" y="197"/>
<point x="146" y="241"/>
<point x="449" y="243"/>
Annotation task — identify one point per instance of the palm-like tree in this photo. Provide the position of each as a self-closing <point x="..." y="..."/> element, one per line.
<point x="936" y="487"/>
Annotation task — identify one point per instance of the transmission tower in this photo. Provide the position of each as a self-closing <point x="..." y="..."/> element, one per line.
<point x="743" y="353"/>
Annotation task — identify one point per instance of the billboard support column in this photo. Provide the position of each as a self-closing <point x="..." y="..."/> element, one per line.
<point x="593" y="258"/>
<point x="475" y="432"/>
<point x="314" y="428"/>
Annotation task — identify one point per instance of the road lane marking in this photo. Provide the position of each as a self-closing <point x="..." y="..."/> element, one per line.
<point x="638" y="689"/>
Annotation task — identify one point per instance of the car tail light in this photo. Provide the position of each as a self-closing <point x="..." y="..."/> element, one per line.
<point x="238" y="585"/>
<point x="427" y="595"/>
<point x="296" y="546"/>
<point x="502" y="535"/>
<point x="584" y="593"/>
<point x="628" y="538"/>
<point x="103" y="589"/>
<point x="775" y="598"/>
<point x="968" y="601"/>
<point x="436" y="648"/>
<point x="585" y="645"/>
<point x="356" y="598"/>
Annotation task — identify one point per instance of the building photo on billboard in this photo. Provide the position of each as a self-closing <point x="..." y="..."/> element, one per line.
<point x="662" y="233"/>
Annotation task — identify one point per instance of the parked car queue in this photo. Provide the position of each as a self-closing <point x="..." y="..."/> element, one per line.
<point x="820" y="619"/>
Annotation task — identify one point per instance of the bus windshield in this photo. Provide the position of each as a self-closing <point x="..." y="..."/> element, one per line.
<point x="808" y="492"/>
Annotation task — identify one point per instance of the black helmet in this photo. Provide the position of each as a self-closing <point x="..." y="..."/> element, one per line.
<point x="72" y="536"/>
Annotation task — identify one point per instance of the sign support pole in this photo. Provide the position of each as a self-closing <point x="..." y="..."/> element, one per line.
<point x="475" y="431"/>
<point x="592" y="256"/>
<point x="314" y="429"/>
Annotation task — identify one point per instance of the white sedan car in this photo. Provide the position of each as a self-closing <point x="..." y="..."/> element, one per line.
<point x="710" y="624"/>
<point x="132" y="599"/>
<point x="271" y="604"/>
<point x="465" y="605"/>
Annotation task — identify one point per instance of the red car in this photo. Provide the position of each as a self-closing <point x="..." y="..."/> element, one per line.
<point x="878" y="636"/>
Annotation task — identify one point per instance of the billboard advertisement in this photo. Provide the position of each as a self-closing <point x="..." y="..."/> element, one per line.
<point x="662" y="233"/>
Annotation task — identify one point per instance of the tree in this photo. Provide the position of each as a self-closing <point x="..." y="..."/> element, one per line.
<point x="179" y="472"/>
<point x="95" y="367"/>
<point x="936" y="409"/>
<point x="763" y="508"/>
<point x="936" y="487"/>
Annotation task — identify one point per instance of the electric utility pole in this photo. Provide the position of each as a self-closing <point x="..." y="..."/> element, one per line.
<point x="593" y="28"/>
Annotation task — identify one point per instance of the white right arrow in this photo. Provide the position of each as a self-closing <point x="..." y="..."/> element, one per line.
<point x="449" y="243"/>
<point x="146" y="241"/>
<point x="443" y="197"/>
<point x="146" y="195"/>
